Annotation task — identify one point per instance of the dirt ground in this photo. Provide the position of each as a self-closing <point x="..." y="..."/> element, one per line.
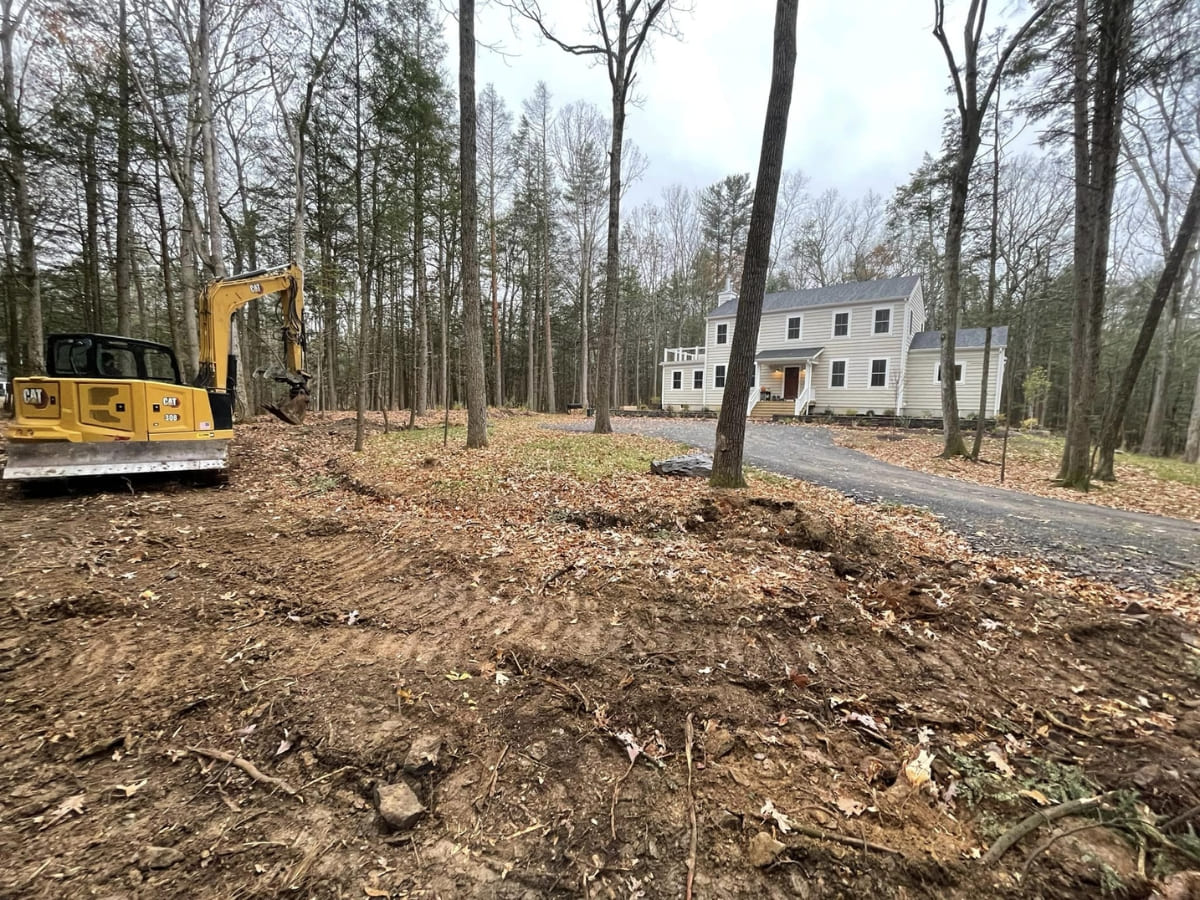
<point x="601" y="655"/>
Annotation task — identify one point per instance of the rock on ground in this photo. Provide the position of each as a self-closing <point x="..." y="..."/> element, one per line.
<point x="763" y="850"/>
<point x="695" y="465"/>
<point x="398" y="805"/>
<point x="423" y="754"/>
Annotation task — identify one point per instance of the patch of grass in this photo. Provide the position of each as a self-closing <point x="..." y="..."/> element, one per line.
<point x="591" y="457"/>
<point x="755" y="475"/>
<point x="1166" y="468"/>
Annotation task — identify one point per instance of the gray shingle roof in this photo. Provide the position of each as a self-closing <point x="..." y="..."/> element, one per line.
<point x="835" y="294"/>
<point x="796" y="353"/>
<point x="968" y="338"/>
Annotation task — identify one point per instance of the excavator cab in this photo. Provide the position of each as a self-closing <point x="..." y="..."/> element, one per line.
<point x="106" y="356"/>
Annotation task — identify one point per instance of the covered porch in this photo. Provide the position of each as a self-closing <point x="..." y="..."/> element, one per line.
<point x="784" y="379"/>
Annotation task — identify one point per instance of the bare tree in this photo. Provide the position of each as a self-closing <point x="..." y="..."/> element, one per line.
<point x="972" y="104"/>
<point x="15" y="167"/>
<point x="579" y="136"/>
<point x="731" y="426"/>
<point x="622" y="27"/>
<point x="469" y="191"/>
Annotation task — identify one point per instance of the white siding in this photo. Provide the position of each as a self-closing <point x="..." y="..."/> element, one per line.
<point x="686" y="394"/>
<point x="923" y="394"/>
<point x="858" y="348"/>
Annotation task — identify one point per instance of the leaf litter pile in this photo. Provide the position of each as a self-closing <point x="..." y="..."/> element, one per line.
<point x="537" y="670"/>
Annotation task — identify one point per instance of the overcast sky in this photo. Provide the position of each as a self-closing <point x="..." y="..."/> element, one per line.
<point x="868" y="100"/>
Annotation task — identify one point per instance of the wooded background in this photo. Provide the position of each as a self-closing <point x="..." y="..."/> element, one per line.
<point x="149" y="145"/>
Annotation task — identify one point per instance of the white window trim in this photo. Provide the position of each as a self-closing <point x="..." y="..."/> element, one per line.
<point x="787" y="325"/>
<point x="717" y="333"/>
<point x="887" y="364"/>
<point x="891" y="321"/>
<point x="720" y="372"/>
<point x="845" y="375"/>
<point x="937" y="372"/>
<point x="700" y="386"/>
<point x="677" y="373"/>
<point x="849" y="324"/>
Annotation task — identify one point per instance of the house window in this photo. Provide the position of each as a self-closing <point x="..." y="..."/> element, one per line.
<point x="698" y="379"/>
<point x="793" y="328"/>
<point x="837" y="373"/>
<point x="676" y="380"/>
<point x="719" y="377"/>
<point x="723" y="333"/>
<point x="883" y="321"/>
<point x="879" y="373"/>
<point x="958" y="372"/>
<point x="841" y="324"/>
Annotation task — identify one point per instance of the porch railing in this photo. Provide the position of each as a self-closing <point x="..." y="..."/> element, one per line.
<point x="683" y="354"/>
<point x="802" y="400"/>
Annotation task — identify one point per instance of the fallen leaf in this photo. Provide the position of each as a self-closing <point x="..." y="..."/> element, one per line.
<point x="1036" y="796"/>
<point x="850" y="807"/>
<point x="458" y="676"/>
<point x="131" y="789"/>
<point x="919" y="771"/>
<point x="997" y="758"/>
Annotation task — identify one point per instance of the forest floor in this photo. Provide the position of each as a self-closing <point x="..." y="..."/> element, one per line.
<point x="1163" y="487"/>
<point x="587" y="675"/>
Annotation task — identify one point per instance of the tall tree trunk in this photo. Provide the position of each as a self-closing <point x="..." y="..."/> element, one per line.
<point x="1152" y="437"/>
<point x="420" y="312"/>
<point x="164" y="254"/>
<point x="993" y="242"/>
<point x="469" y="193"/>
<point x="1191" y="452"/>
<point x="91" y="248"/>
<point x="546" y="337"/>
<point x="1167" y="283"/>
<point x="1096" y="154"/>
<point x="124" y="260"/>
<point x="731" y="426"/>
<point x="29" y="287"/>
<point x="584" y="339"/>
<point x="497" y="359"/>
<point x="612" y="263"/>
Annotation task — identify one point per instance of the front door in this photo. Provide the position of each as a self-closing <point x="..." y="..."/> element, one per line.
<point x="791" y="382"/>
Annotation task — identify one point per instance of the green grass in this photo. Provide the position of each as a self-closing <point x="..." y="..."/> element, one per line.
<point x="1039" y="446"/>
<point x="591" y="458"/>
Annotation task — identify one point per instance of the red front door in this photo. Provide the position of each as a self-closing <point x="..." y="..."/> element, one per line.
<point x="791" y="383"/>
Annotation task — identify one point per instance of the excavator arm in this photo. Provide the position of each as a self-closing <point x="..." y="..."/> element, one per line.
<point x="225" y="296"/>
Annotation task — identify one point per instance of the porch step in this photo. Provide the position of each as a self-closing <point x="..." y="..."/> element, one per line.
<point x="764" y="409"/>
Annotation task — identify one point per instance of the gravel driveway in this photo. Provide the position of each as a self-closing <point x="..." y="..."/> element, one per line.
<point x="1128" y="548"/>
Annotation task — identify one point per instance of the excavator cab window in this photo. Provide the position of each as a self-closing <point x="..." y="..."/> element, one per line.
<point x="101" y="356"/>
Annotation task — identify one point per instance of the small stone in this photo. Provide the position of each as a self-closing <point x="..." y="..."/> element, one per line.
<point x="718" y="742"/>
<point x="763" y="850"/>
<point x="423" y="754"/>
<point x="170" y="575"/>
<point x="398" y="805"/>
<point x="537" y="750"/>
<point x="160" y="857"/>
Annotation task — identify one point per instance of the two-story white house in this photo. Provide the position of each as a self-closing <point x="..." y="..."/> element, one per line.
<point x="847" y="348"/>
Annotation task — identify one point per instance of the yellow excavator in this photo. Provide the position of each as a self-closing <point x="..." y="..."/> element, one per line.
<point x="116" y="405"/>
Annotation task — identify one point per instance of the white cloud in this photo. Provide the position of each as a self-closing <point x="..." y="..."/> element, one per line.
<point x="868" y="99"/>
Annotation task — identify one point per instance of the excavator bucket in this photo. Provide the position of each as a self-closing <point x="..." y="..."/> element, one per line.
<point x="291" y="410"/>
<point x="35" y="460"/>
